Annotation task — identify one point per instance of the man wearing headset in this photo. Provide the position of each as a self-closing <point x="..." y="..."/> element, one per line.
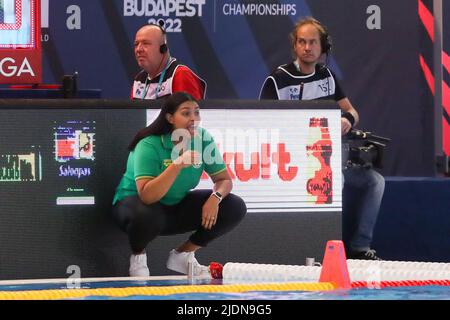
<point x="161" y="74"/>
<point x="306" y="79"/>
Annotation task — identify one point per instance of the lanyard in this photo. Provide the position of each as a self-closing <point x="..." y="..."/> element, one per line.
<point x="158" y="88"/>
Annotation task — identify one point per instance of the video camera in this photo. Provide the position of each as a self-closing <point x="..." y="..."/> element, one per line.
<point x="370" y="151"/>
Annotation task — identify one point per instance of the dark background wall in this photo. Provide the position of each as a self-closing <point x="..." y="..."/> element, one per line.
<point x="379" y="67"/>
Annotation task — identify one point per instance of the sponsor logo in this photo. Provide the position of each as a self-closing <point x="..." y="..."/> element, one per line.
<point x="259" y="9"/>
<point x="9" y="67"/>
<point x="68" y="171"/>
<point x="166" y="13"/>
<point x="73" y="144"/>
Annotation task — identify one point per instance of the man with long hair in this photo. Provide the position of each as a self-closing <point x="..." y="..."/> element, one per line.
<point x="307" y="79"/>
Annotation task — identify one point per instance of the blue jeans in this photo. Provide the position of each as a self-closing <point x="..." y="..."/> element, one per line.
<point x="362" y="195"/>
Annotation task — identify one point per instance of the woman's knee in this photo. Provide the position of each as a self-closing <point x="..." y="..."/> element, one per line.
<point x="148" y="217"/>
<point x="235" y="207"/>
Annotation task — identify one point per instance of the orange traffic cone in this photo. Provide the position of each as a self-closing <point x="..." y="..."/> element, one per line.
<point x="334" y="267"/>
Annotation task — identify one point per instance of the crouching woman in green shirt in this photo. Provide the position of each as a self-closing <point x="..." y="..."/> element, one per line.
<point x="155" y="195"/>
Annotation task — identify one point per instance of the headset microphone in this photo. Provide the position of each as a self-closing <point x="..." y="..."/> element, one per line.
<point x="163" y="48"/>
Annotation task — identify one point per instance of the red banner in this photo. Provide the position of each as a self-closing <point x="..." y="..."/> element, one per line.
<point x="20" y="44"/>
<point x="20" y="66"/>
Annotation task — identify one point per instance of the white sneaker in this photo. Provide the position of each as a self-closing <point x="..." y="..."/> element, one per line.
<point x="179" y="262"/>
<point x="138" y="265"/>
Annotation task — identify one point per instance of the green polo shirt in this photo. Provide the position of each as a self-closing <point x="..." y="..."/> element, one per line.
<point x="152" y="156"/>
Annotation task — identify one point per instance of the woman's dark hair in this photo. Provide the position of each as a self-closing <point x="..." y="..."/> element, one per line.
<point x="161" y="126"/>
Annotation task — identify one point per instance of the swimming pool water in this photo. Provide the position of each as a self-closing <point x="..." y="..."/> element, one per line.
<point x="399" y="293"/>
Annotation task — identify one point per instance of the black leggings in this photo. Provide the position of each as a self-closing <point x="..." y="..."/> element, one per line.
<point x="143" y="223"/>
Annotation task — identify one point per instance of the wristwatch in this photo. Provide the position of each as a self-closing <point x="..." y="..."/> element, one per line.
<point x="218" y="195"/>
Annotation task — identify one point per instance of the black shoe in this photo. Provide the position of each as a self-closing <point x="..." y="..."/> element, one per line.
<point x="364" y="255"/>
